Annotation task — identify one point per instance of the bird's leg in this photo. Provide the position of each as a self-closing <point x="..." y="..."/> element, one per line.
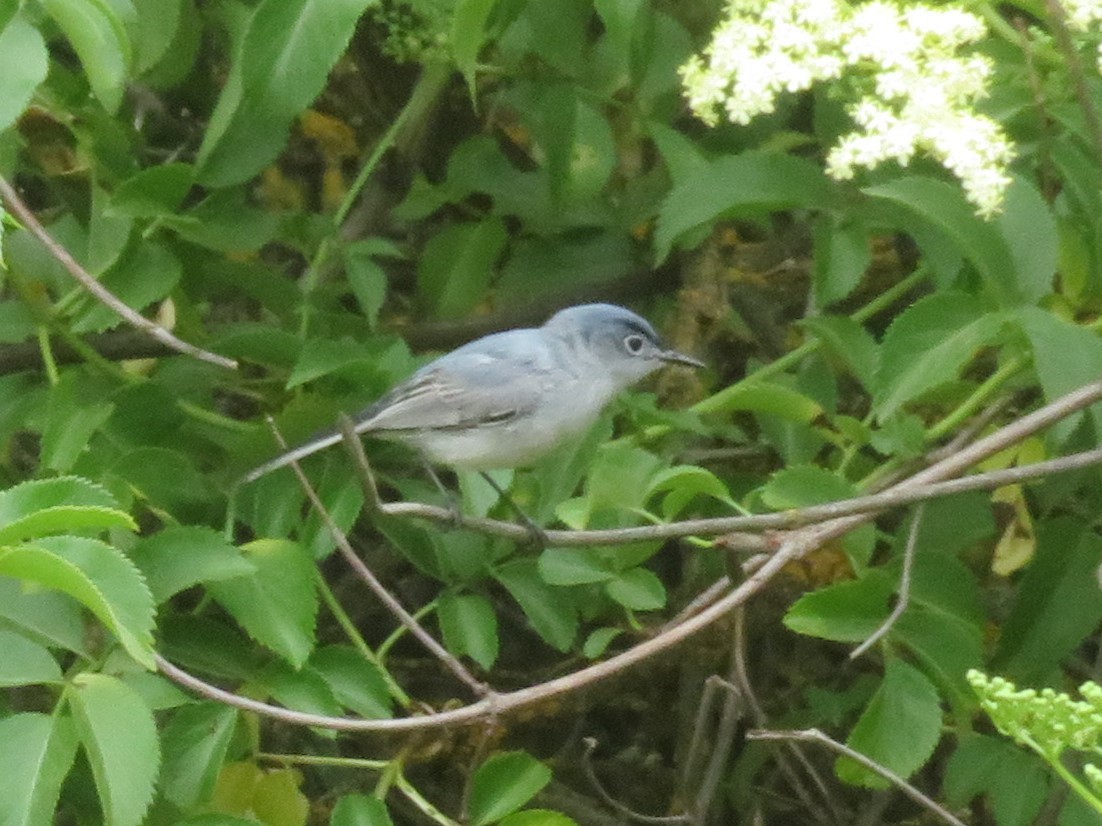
<point x="454" y="505"/>
<point x="539" y="538"/>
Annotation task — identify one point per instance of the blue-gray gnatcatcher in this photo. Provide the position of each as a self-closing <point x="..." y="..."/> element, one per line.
<point x="505" y="400"/>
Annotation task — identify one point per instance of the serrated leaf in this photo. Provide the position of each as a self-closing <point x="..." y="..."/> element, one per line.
<point x="23" y="662"/>
<point x="753" y="182"/>
<point x="62" y="504"/>
<point x="277" y="604"/>
<point x="1014" y="780"/>
<point x="358" y="684"/>
<point x="360" y="810"/>
<point x="928" y="344"/>
<point x="195" y="743"/>
<point x="96" y="575"/>
<point x="637" y="589"/>
<point x="898" y="729"/>
<point x="467" y="36"/>
<point x="845" y="611"/>
<point x="23" y="65"/>
<point x="48" y="617"/>
<point x="100" y="41"/>
<point x="503" y="784"/>
<point x="1029" y="230"/>
<point x="119" y="736"/>
<point x="469" y="626"/>
<point x="37" y="754"/>
<point x="555" y="619"/>
<point x="181" y="556"/>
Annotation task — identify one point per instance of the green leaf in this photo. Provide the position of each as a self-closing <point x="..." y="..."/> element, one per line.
<point x="166" y="478"/>
<point x="943" y="205"/>
<point x="845" y="611"/>
<point x="37" y="754"/>
<point x="119" y="737"/>
<point x="360" y="810"/>
<point x="842" y="254"/>
<point x="49" y="618"/>
<point x="100" y="41"/>
<point x="181" y="556"/>
<point x="637" y="589"/>
<point x="1041" y="630"/>
<point x="23" y="662"/>
<point x="538" y="817"/>
<point x="1029" y="230"/>
<point x="574" y="566"/>
<point x="277" y="604"/>
<point x="457" y="264"/>
<point x="928" y="344"/>
<point x="71" y="420"/>
<point x="802" y="485"/>
<point x="1065" y="356"/>
<point x="300" y="689"/>
<point x="96" y="575"/>
<point x="367" y="279"/>
<point x="503" y="784"/>
<point x="750" y="183"/>
<point x="467" y="36"/>
<point x="280" y="67"/>
<point x="555" y="619"/>
<point x="1015" y="781"/>
<point x="155" y="191"/>
<point x="147" y="274"/>
<point x="684" y="483"/>
<point x="598" y="641"/>
<point x="619" y="477"/>
<point x="469" y="626"/>
<point x="762" y="397"/>
<point x="898" y="729"/>
<point x="358" y="684"/>
<point x="195" y="743"/>
<point x="23" y="65"/>
<point x="848" y="341"/>
<point x="63" y="504"/>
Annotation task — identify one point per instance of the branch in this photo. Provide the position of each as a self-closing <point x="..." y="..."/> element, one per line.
<point x="813" y="735"/>
<point x="793" y="546"/>
<point x="27" y="218"/>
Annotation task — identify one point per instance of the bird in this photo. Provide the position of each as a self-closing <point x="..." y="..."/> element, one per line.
<point x="507" y="399"/>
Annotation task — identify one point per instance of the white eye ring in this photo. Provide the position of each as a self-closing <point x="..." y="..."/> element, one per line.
<point x="634" y="344"/>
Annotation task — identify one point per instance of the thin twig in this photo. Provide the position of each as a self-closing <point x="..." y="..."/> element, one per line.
<point x="740" y="676"/>
<point x="815" y="736"/>
<point x="1059" y="19"/>
<point x="904" y="587"/>
<point x="450" y="661"/>
<point x="28" y="219"/>
<point x="722" y="741"/>
<point x="890" y="498"/>
<point x="612" y="802"/>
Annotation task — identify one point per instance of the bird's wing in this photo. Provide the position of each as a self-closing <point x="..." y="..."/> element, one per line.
<point x="461" y="390"/>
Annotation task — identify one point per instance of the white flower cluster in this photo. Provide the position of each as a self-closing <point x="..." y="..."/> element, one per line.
<point x="918" y="90"/>
<point x="1083" y="16"/>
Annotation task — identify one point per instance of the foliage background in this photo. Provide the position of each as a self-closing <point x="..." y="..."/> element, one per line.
<point x="331" y="192"/>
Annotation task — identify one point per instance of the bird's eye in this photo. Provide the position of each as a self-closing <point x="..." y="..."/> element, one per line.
<point x="634" y="344"/>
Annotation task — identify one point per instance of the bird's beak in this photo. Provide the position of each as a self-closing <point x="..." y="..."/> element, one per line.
<point x="674" y="357"/>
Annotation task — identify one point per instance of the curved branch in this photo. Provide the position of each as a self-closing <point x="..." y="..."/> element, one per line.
<point x="27" y="218"/>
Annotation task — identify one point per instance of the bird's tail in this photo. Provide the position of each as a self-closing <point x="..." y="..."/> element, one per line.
<point x="330" y="437"/>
